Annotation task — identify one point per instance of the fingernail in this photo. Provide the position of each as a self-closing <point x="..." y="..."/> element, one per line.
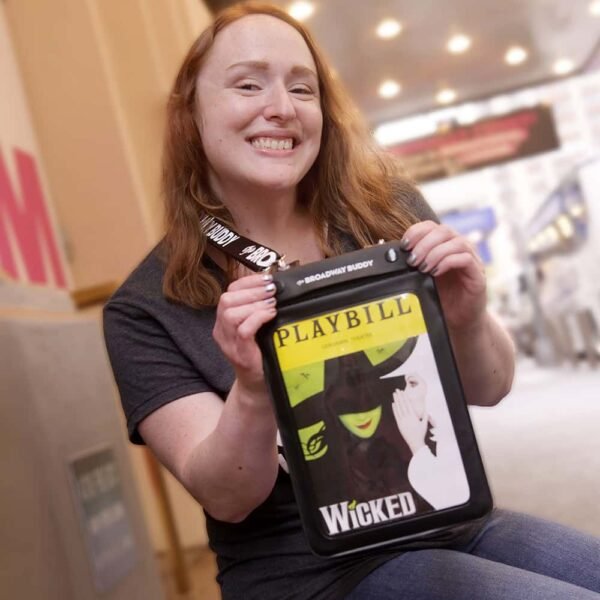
<point x="267" y="277"/>
<point x="433" y="271"/>
<point x="423" y="267"/>
<point x="270" y="287"/>
<point x="412" y="259"/>
<point x="270" y="300"/>
<point x="404" y="243"/>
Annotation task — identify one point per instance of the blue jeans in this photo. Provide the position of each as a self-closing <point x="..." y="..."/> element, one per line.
<point x="514" y="557"/>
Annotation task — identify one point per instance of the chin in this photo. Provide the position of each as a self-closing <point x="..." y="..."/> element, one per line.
<point x="275" y="184"/>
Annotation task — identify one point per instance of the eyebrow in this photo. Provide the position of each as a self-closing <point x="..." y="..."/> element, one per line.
<point x="264" y="66"/>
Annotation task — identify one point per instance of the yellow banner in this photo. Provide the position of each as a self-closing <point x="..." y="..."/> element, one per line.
<point x="348" y="330"/>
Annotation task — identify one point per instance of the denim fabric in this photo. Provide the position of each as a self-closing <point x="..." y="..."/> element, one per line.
<point x="513" y="557"/>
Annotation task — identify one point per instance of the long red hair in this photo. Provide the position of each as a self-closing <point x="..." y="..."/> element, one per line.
<point x="353" y="186"/>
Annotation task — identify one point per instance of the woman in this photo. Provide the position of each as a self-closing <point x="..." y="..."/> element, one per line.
<point x="435" y="469"/>
<point x="259" y="135"/>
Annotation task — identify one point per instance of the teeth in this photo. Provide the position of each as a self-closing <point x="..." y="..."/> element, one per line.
<point x="265" y="143"/>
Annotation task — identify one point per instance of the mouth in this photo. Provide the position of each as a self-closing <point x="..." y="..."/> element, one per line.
<point x="271" y="143"/>
<point x="365" y="425"/>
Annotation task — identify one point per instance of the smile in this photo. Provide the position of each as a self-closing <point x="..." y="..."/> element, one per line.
<point x="266" y="143"/>
<point x="365" y="425"/>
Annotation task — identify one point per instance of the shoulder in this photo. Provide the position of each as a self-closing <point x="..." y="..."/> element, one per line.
<point x="139" y="311"/>
<point x="159" y="350"/>
<point x="411" y="200"/>
<point x="143" y="287"/>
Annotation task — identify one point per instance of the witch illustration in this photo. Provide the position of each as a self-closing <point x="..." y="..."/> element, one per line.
<point x="348" y="431"/>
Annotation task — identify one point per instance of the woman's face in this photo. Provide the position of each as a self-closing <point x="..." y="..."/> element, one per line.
<point x="259" y="111"/>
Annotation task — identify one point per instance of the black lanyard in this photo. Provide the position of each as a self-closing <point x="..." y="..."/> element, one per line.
<point x="244" y="250"/>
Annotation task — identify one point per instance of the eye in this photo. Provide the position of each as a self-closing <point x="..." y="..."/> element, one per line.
<point x="248" y="86"/>
<point x="302" y="90"/>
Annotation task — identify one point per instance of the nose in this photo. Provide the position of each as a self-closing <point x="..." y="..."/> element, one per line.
<point x="279" y="104"/>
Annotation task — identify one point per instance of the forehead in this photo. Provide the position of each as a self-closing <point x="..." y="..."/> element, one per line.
<point x="260" y="38"/>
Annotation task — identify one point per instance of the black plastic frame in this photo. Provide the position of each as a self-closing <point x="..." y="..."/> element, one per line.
<point x="385" y="279"/>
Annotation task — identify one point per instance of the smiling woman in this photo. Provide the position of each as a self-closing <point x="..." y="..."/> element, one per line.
<point x="261" y="137"/>
<point x="259" y="113"/>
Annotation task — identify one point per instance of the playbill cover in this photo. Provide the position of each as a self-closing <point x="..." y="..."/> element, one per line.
<point x="371" y="416"/>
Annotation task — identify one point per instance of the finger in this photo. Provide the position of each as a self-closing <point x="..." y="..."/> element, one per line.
<point x="428" y="258"/>
<point x="396" y="410"/>
<point x="419" y="252"/>
<point x="407" y="409"/>
<point x="470" y="269"/>
<point x="247" y="330"/>
<point x="233" y="316"/>
<point x="416" y="232"/>
<point x="250" y="281"/>
<point x="400" y="403"/>
<point x="239" y="297"/>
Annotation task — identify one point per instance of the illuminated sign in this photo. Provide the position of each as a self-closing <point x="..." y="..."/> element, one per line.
<point x="488" y="142"/>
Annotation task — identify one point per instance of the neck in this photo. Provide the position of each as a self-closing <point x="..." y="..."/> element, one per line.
<point x="268" y="217"/>
<point x="272" y="218"/>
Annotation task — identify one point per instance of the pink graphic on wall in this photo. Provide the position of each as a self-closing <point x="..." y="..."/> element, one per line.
<point x="23" y="211"/>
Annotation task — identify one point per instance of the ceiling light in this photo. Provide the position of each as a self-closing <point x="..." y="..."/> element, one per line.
<point x="301" y="10"/>
<point x="389" y="28"/>
<point x="563" y="66"/>
<point x="399" y="131"/>
<point x="515" y="55"/>
<point x="458" y="44"/>
<point x="389" y="88"/>
<point x="594" y="8"/>
<point x="446" y="96"/>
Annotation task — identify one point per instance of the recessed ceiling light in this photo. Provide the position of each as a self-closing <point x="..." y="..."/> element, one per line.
<point x="563" y="66"/>
<point x="389" y="88"/>
<point x="594" y="8"/>
<point x="446" y="96"/>
<point x="301" y="10"/>
<point x="389" y="28"/>
<point x="458" y="44"/>
<point x="515" y="55"/>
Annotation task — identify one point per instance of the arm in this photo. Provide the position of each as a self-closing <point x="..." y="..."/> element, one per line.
<point x="484" y="351"/>
<point x="225" y="454"/>
<point x="485" y="357"/>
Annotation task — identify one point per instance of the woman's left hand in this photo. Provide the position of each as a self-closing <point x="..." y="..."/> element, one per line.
<point x="458" y="271"/>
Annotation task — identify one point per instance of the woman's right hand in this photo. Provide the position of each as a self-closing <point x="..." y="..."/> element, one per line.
<point x="248" y="303"/>
<point x="410" y="411"/>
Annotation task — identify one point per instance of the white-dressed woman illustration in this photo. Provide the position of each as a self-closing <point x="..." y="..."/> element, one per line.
<point x="259" y="134"/>
<point x="438" y="477"/>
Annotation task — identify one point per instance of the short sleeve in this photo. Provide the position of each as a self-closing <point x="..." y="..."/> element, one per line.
<point x="149" y="368"/>
<point x="412" y="200"/>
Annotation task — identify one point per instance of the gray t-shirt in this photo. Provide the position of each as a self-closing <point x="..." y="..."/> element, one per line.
<point x="161" y="351"/>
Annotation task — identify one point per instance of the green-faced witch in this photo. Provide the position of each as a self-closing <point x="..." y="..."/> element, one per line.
<point x="349" y="436"/>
